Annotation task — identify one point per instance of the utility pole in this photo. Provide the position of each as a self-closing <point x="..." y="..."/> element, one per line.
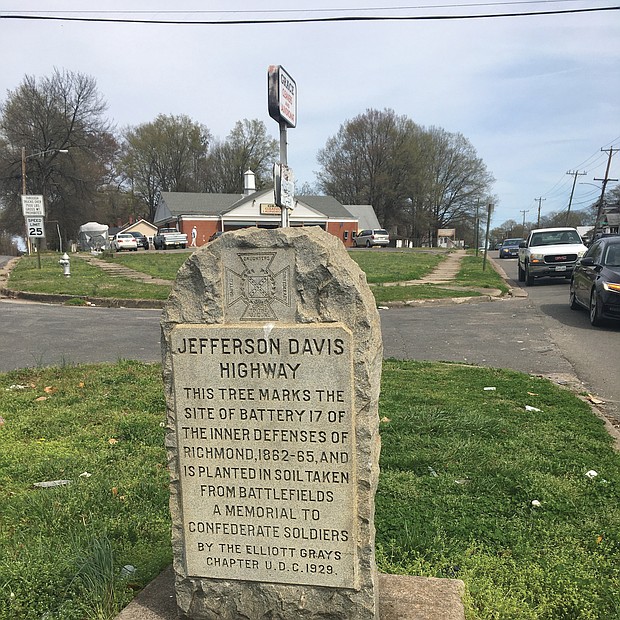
<point x="575" y="174"/>
<point x="524" y="211"/>
<point x="539" y="205"/>
<point x="486" y="236"/>
<point x="477" y="224"/>
<point x="599" y="211"/>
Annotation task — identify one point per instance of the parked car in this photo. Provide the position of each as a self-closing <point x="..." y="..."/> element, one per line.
<point x="141" y="240"/>
<point x="595" y="284"/>
<point x="509" y="248"/>
<point x="124" y="241"/>
<point x="371" y="237"/>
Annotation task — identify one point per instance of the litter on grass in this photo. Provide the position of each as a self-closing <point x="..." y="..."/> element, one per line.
<point x="530" y="408"/>
<point x="51" y="483"/>
<point x="489" y="389"/>
<point x="591" y="474"/>
<point x="536" y="503"/>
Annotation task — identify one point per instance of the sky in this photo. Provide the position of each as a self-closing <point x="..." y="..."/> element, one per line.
<point x="537" y="96"/>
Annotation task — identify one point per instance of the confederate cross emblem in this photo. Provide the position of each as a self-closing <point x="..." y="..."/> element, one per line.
<point x="257" y="287"/>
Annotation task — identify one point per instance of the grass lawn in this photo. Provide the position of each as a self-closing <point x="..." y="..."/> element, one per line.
<point x="380" y="267"/>
<point x="160" y="265"/>
<point x="86" y="280"/>
<point x="396" y="266"/>
<point x="460" y="468"/>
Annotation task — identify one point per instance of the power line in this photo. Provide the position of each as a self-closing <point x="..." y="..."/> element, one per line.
<point x="303" y="20"/>
<point x="290" y="11"/>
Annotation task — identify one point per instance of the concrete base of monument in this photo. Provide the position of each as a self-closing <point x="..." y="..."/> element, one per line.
<point x="402" y="597"/>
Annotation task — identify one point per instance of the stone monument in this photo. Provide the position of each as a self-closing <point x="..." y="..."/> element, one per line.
<point x="272" y="363"/>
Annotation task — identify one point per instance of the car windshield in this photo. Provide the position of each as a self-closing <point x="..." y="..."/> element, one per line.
<point x="556" y="237"/>
<point x="611" y="257"/>
<point x="511" y="242"/>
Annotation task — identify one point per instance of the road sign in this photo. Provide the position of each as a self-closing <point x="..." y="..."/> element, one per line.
<point x="35" y="227"/>
<point x="32" y="205"/>
<point x="284" y="184"/>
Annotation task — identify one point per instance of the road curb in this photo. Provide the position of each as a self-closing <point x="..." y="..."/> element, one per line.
<point x="100" y="302"/>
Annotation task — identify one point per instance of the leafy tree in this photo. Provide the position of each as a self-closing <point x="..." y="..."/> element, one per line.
<point x="166" y="155"/>
<point x="247" y="147"/>
<point x="41" y="117"/>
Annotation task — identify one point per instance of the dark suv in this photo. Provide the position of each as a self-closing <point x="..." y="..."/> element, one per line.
<point x="143" y="242"/>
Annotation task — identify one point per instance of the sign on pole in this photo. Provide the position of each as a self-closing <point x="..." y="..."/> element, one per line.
<point x="282" y="96"/>
<point x="32" y="205"/>
<point x="284" y="184"/>
<point x="35" y="227"/>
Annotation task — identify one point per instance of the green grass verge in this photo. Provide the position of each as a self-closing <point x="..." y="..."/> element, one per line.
<point x="460" y="467"/>
<point x="472" y="274"/>
<point x="163" y="266"/>
<point x="396" y="266"/>
<point x="62" y="548"/>
<point x="86" y="280"/>
<point x="386" y="294"/>
<point x="380" y="267"/>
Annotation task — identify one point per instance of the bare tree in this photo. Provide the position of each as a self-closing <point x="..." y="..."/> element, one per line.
<point x="166" y="154"/>
<point x="371" y="161"/>
<point x="417" y="180"/>
<point x="41" y="117"/>
<point x="456" y="179"/>
<point x="247" y="147"/>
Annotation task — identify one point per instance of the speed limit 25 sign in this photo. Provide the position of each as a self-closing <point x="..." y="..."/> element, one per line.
<point x="35" y="227"/>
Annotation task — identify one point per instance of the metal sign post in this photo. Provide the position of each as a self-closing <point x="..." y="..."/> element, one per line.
<point x="282" y="104"/>
<point x="33" y="209"/>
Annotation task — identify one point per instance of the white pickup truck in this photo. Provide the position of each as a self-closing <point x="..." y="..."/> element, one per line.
<point x="549" y="252"/>
<point x="169" y="238"/>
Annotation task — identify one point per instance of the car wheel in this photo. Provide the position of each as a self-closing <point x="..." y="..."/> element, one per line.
<point x="529" y="278"/>
<point x="572" y="301"/>
<point x="521" y="273"/>
<point x="368" y="244"/>
<point x="596" y="317"/>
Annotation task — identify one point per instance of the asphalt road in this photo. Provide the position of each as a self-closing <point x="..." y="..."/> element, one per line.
<point x="537" y="334"/>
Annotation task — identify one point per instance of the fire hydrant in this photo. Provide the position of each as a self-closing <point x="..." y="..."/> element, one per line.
<point x="64" y="261"/>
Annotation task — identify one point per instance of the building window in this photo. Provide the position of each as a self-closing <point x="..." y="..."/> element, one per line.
<point x="346" y="235"/>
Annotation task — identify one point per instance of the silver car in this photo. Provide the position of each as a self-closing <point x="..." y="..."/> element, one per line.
<point x="370" y="237"/>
